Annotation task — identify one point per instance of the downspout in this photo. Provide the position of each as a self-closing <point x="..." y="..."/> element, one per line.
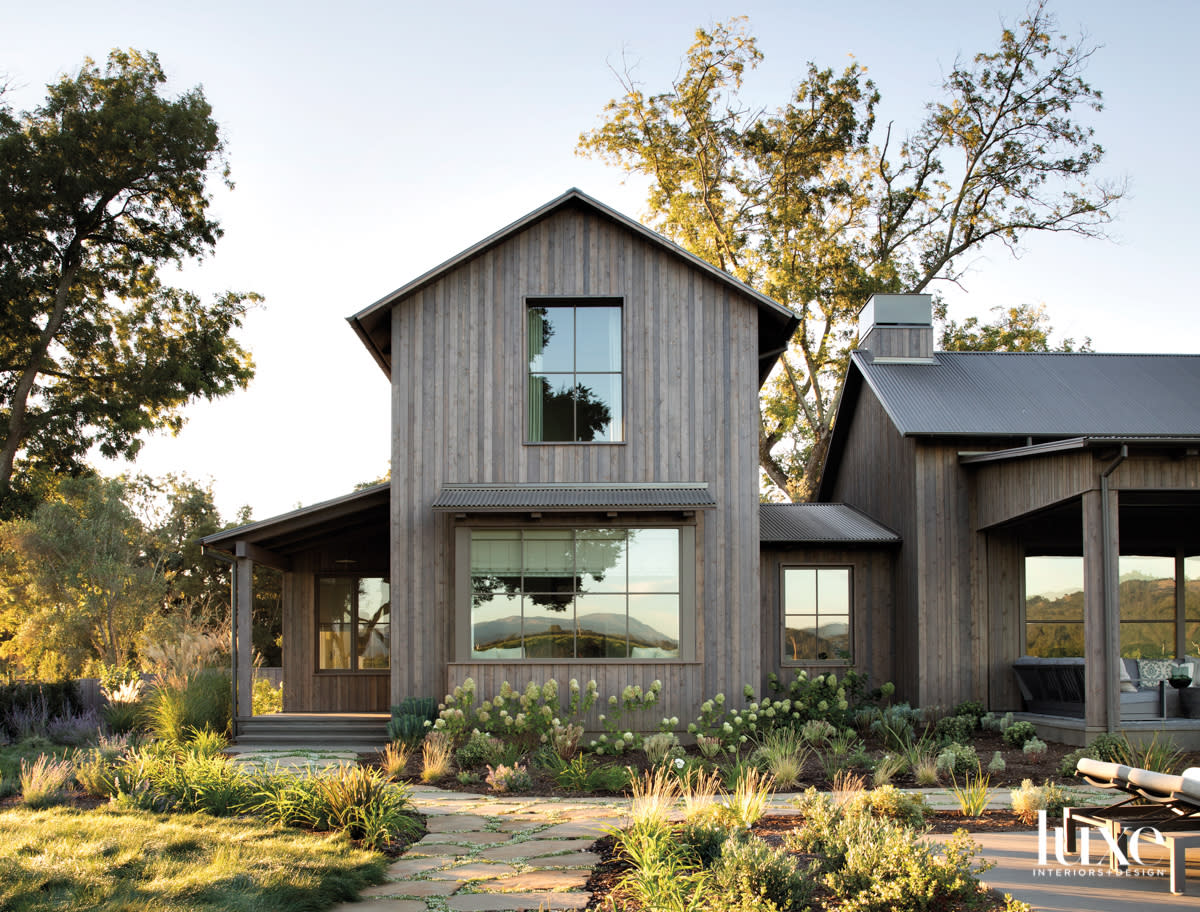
<point x="1113" y="710"/>
<point x="233" y="651"/>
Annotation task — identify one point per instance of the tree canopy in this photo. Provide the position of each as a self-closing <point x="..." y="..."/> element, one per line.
<point x="817" y="207"/>
<point x="101" y="187"/>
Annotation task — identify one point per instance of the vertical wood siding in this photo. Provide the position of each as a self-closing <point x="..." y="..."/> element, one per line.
<point x="877" y="474"/>
<point x="691" y="412"/>
<point x="872" y="620"/>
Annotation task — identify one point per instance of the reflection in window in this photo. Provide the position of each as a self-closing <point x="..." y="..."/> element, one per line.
<point x="1191" y="601"/>
<point x="1054" y="606"/>
<point x="1147" y="600"/>
<point x="816" y="609"/>
<point x="574" y="353"/>
<point x="353" y="623"/>
<point x="575" y="593"/>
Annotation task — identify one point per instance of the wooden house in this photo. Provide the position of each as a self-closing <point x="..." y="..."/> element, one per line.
<point x="574" y="489"/>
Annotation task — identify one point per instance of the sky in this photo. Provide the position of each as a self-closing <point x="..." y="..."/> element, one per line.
<point x="370" y="141"/>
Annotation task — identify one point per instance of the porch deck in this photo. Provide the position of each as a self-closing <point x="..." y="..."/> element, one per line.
<point x="1073" y="730"/>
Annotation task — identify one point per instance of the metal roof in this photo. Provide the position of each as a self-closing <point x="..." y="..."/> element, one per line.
<point x="819" y="523"/>
<point x="1039" y="394"/>
<point x="502" y="497"/>
<point x="776" y="322"/>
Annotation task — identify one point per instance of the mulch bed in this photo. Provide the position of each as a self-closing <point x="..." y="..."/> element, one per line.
<point x="772" y="829"/>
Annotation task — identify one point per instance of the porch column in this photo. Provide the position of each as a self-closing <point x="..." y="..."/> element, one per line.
<point x="1100" y="611"/>
<point x="243" y="661"/>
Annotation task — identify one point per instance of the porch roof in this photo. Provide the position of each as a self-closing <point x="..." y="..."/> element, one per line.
<point x="820" y="524"/>
<point x="560" y="497"/>
<point x="299" y="528"/>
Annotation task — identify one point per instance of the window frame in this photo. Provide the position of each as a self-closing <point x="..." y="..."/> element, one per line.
<point x="838" y="661"/>
<point x="688" y="575"/>
<point x="529" y="301"/>
<point x="354" y="668"/>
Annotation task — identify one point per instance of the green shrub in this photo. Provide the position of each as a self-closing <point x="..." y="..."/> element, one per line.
<point x="817" y="731"/>
<point x="361" y="802"/>
<point x="702" y="841"/>
<point x="266" y="698"/>
<point x="958" y="759"/>
<point x="121" y="717"/>
<point x="997" y="764"/>
<point x="1034" y="749"/>
<point x="411" y="718"/>
<point x="1066" y="768"/>
<point x="973" y="708"/>
<point x="1018" y="733"/>
<point x="479" y="750"/>
<point x="889" y="801"/>
<point x="1107" y="747"/>
<point x="659" y="747"/>
<point x="750" y="869"/>
<point x="955" y="729"/>
<point x="95" y="772"/>
<point x="608" y="778"/>
<point x="896" y="726"/>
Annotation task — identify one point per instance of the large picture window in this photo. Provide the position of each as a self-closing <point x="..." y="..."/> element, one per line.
<point x="578" y="593"/>
<point x="353" y="623"/>
<point x="816" y="614"/>
<point x="574" y="388"/>
<point x="1151" y="623"/>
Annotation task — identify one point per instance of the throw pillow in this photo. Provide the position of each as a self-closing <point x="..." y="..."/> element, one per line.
<point x="1127" y="685"/>
<point x="1154" y="670"/>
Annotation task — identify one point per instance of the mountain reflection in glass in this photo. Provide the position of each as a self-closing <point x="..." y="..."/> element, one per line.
<point x="816" y="602"/>
<point x="575" y="593"/>
<point x="574" y="358"/>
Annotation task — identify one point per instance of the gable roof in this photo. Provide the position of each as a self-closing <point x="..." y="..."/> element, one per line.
<point x="775" y="322"/>
<point x="1046" y="395"/>
<point x="820" y="524"/>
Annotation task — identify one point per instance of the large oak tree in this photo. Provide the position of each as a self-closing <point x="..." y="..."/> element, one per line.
<point x="101" y="187"/>
<point x="818" y="207"/>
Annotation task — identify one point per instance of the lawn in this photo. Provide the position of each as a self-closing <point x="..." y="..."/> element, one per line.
<point x="110" y="859"/>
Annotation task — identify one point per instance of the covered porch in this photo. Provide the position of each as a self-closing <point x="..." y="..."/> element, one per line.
<point x="337" y="650"/>
<point x="1089" y="553"/>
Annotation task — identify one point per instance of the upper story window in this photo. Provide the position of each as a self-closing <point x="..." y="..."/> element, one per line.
<point x="574" y="389"/>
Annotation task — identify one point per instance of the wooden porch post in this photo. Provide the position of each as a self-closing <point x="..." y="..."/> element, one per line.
<point x="1101" y="552"/>
<point x="244" y="661"/>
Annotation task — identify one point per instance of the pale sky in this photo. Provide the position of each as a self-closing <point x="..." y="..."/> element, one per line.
<point x="371" y="141"/>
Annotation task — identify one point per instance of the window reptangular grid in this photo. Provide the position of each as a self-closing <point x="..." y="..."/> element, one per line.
<point x="575" y="593"/>
<point x="816" y="614"/>
<point x="1053" y="606"/>
<point x="574" y="387"/>
<point x="353" y="623"/>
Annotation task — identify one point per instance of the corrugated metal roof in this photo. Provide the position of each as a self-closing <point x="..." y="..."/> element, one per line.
<point x="689" y="496"/>
<point x="1040" y="394"/>
<point x="820" y="523"/>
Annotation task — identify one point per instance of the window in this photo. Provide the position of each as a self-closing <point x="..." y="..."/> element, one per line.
<point x="574" y="389"/>
<point x="353" y="623"/>
<point x="816" y="614"/>
<point x="1053" y="606"/>
<point x="577" y="593"/>
<point x="1151" y="625"/>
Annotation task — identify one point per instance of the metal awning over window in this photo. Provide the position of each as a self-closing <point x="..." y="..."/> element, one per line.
<point x="464" y="498"/>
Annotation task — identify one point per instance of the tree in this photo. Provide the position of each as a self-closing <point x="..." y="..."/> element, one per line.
<point x="803" y="205"/>
<point x="101" y="187"/>
<point x="1021" y="328"/>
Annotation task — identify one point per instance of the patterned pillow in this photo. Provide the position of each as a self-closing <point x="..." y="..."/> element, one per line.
<point x="1154" y="670"/>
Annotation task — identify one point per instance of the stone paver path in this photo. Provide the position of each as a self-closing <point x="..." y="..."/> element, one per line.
<point x="510" y="854"/>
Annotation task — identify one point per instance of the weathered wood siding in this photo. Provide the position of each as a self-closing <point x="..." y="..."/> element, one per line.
<point x="1002" y="580"/>
<point x="305" y="689"/>
<point x="877" y="475"/>
<point x="1006" y="490"/>
<point x="872" y="619"/>
<point x="690" y="408"/>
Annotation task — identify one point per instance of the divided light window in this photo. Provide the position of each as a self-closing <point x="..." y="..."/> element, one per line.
<point x="575" y="593"/>
<point x="353" y="623"/>
<point x="574" y="355"/>
<point x="816" y="614"/>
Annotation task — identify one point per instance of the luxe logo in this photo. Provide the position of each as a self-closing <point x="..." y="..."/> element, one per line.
<point x="1111" y="844"/>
